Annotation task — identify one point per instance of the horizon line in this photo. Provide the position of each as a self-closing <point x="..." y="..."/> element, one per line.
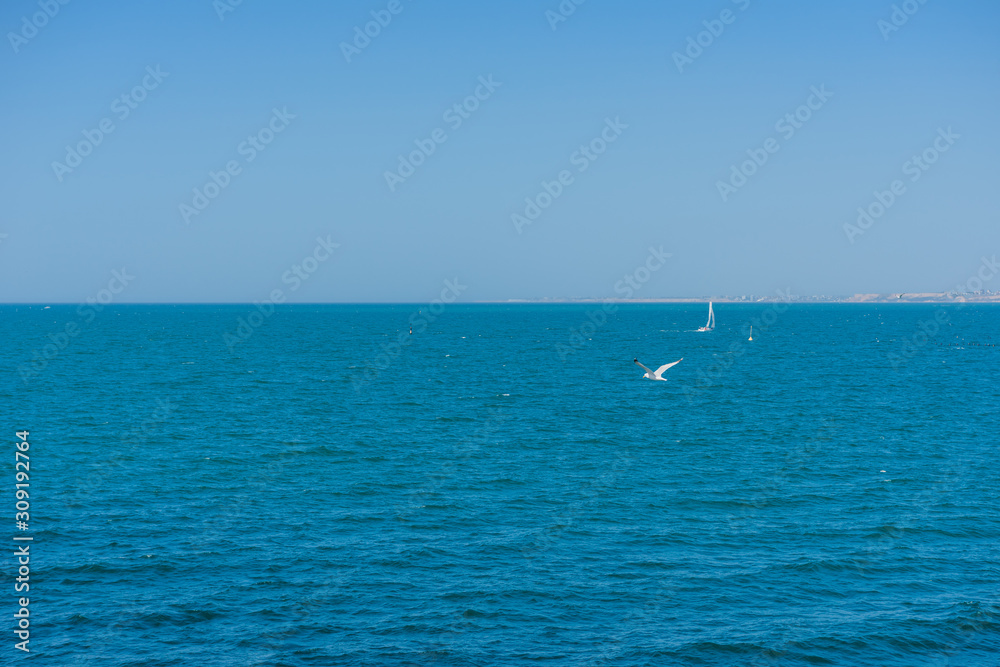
<point x="918" y="298"/>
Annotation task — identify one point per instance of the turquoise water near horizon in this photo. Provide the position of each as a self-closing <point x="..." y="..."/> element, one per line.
<point x="317" y="486"/>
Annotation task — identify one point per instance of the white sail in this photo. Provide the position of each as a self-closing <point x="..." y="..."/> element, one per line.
<point x="711" y="319"/>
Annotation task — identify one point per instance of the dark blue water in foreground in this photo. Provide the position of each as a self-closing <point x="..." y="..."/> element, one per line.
<point x="504" y="492"/>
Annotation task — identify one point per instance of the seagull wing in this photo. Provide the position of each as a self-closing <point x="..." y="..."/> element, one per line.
<point x="643" y="367"/>
<point x="664" y="367"/>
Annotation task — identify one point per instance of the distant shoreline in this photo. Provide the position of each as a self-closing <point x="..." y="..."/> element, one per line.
<point x="925" y="297"/>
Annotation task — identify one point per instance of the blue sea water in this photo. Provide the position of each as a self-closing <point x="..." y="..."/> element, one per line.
<point x="502" y="487"/>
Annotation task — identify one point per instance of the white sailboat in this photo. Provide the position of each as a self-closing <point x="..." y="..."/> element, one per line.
<point x="711" y="319"/>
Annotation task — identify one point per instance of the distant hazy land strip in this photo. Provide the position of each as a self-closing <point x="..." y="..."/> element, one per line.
<point x="916" y="297"/>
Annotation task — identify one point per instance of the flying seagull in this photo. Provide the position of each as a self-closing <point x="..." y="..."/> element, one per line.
<point x="658" y="375"/>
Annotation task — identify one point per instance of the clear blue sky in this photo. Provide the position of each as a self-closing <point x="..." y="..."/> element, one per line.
<point x="656" y="185"/>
